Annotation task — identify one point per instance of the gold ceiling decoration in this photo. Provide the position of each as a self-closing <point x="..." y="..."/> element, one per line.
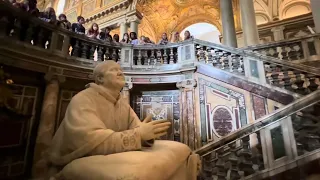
<point x="170" y="16"/>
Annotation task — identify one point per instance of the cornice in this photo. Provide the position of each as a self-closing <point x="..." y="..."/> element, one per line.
<point x="109" y="10"/>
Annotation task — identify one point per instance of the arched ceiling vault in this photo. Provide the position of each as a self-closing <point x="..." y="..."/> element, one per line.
<point x="175" y="15"/>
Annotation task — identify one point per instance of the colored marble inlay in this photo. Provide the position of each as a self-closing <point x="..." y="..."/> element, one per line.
<point x="222" y="121"/>
<point x="259" y="106"/>
<point x="162" y="105"/>
<point x="222" y="126"/>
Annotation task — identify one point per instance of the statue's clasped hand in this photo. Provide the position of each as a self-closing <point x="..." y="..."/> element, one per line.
<point x="153" y="129"/>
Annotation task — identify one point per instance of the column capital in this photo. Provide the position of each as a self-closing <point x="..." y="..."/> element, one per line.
<point x="50" y="76"/>
<point x="122" y="22"/>
<point x="278" y="28"/>
<point x="134" y="19"/>
<point x="189" y="83"/>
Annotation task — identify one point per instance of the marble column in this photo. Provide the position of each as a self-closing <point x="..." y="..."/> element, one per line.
<point x="249" y="24"/>
<point x="47" y="123"/>
<point x="229" y="30"/>
<point x="254" y="68"/>
<point x="134" y="26"/>
<point x="278" y="33"/>
<point x="189" y="133"/>
<point x="123" y="29"/>
<point x="126" y="92"/>
<point x="315" y="7"/>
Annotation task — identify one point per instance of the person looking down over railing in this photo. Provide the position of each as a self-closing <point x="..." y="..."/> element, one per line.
<point x="125" y="39"/>
<point x="187" y="35"/>
<point x="116" y="38"/>
<point x="134" y="39"/>
<point x="49" y="15"/>
<point x="93" y="32"/>
<point x="63" y="22"/>
<point x="164" y="39"/>
<point x="175" y="37"/>
<point x="105" y="35"/>
<point x="78" y="27"/>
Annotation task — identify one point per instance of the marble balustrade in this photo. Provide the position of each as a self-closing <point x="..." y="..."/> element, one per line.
<point x="274" y="144"/>
<point x="295" y="50"/>
<point x="80" y="51"/>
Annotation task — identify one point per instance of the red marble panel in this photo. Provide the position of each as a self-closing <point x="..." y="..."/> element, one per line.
<point x="259" y="106"/>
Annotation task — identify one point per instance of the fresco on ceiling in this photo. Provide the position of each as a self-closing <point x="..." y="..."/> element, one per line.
<point x="72" y="16"/>
<point x="72" y="3"/>
<point x="108" y="2"/>
<point x="88" y="7"/>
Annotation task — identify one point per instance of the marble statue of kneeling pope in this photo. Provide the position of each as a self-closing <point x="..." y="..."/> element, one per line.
<point x="101" y="138"/>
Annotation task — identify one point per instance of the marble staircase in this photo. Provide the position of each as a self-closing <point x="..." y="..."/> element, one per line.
<point x="273" y="144"/>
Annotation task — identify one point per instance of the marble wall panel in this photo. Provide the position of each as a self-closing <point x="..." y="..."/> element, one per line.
<point x="222" y="108"/>
<point x="162" y="105"/>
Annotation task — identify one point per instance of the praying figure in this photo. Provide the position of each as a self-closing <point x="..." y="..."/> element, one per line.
<point x="102" y="138"/>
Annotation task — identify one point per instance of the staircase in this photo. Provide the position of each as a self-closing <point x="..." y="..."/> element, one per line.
<point x="276" y="143"/>
<point x="286" y="139"/>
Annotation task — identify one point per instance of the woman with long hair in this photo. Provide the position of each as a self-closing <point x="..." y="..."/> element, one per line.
<point x="164" y="39"/>
<point x="187" y="35"/>
<point x="93" y="32"/>
<point x="175" y="37"/>
<point x="125" y="38"/>
<point x="116" y="38"/>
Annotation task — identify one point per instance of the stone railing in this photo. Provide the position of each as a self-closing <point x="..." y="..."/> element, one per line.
<point x="294" y="50"/>
<point x="296" y="78"/>
<point x="59" y="46"/>
<point x="274" y="144"/>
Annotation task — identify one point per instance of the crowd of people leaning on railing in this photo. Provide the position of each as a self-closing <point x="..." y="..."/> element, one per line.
<point x="49" y="15"/>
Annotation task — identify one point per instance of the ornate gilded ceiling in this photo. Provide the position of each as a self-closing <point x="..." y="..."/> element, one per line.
<point x="175" y="15"/>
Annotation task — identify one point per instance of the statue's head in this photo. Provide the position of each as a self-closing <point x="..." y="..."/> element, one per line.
<point x="109" y="75"/>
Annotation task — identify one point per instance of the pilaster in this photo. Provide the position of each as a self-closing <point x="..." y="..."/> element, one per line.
<point x="278" y="33"/>
<point x="47" y="122"/>
<point x="188" y="125"/>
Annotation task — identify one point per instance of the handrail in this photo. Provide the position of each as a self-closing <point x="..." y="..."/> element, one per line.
<point x="281" y="42"/>
<point x="268" y="59"/>
<point x="261" y="57"/>
<point x="283" y="112"/>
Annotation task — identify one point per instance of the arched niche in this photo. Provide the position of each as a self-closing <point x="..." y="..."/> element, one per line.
<point x="203" y="31"/>
<point x="292" y="8"/>
<point x="262" y="18"/>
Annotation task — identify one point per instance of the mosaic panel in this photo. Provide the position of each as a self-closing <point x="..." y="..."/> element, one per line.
<point x="220" y="120"/>
<point x="162" y="105"/>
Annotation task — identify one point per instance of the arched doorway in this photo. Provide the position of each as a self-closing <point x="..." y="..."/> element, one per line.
<point x="203" y="31"/>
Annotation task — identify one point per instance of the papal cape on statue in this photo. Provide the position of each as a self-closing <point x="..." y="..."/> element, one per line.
<point x="101" y="138"/>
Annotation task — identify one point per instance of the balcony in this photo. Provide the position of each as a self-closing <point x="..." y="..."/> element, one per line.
<point x="49" y="48"/>
<point x="249" y="153"/>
